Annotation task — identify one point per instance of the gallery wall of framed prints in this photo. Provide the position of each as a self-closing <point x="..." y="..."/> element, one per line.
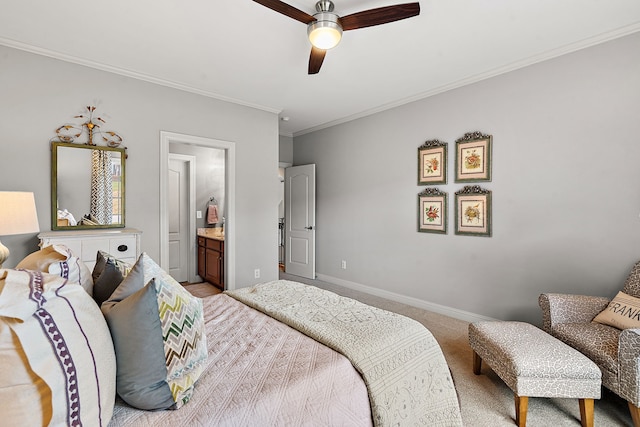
<point x="472" y="203"/>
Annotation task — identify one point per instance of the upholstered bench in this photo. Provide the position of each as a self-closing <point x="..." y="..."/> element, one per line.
<point x="535" y="364"/>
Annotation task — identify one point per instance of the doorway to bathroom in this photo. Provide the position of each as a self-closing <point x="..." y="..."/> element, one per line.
<point x="193" y="172"/>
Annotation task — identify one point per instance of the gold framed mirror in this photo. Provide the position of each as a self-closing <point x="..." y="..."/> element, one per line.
<point x="87" y="186"/>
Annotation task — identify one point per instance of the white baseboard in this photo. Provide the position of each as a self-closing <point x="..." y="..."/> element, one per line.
<point x="414" y="302"/>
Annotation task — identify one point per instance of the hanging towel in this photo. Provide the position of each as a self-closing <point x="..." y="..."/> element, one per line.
<point x="212" y="214"/>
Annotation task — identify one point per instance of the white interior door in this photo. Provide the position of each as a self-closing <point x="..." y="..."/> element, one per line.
<point x="180" y="181"/>
<point x="300" y="220"/>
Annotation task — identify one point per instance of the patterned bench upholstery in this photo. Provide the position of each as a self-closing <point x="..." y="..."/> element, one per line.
<point x="532" y="363"/>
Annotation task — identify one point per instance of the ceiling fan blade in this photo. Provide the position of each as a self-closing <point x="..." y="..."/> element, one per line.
<point x="287" y="10"/>
<point x="380" y="15"/>
<point x="315" y="59"/>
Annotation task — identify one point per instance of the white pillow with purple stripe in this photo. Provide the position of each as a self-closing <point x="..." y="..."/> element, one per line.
<point x="60" y="260"/>
<point x="57" y="363"/>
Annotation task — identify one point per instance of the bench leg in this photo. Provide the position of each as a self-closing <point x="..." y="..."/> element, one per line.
<point x="635" y="414"/>
<point x="522" y="403"/>
<point x="586" y="412"/>
<point x="477" y="363"/>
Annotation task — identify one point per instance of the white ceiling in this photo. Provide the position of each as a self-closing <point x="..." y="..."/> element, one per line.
<point x="240" y="51"/>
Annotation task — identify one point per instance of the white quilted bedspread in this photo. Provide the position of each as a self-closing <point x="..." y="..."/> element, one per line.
<point x="261" y="372"/>
<point x="407" y="377"/>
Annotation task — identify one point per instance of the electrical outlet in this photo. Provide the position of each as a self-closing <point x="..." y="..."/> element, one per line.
<point x="256" y="273"/>
<point x="198" y="214"/>
<point x="344" y="264"/>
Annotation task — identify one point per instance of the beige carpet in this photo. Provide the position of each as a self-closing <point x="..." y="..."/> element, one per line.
<point x="484" y="399"/>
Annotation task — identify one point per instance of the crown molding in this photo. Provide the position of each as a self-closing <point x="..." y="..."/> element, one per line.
<point x="531" y="60"/>
<point x="129" y="73"/>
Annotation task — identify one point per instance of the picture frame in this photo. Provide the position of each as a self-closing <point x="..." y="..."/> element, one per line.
<point x="432" y="162"/>
<point x="473" y="157"/>
<point x="432" y="211"/>
<point x="473" y="211"/>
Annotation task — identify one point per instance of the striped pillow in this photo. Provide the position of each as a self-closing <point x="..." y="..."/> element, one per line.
<point x="60" y="260"/>
<point x="57" y="364"/>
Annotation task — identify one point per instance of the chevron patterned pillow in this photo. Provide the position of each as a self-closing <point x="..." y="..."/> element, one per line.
<point x="159" y="338"/>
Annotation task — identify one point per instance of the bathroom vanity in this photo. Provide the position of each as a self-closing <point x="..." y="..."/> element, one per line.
<point x="211" y="257"/>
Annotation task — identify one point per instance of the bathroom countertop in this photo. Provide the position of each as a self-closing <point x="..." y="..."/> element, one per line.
<point x="211" y="233"/>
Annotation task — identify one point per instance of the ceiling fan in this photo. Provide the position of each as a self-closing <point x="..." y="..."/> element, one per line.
<point x="325" y="28"/>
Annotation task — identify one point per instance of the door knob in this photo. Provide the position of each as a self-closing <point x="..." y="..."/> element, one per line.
<point x="309" y="228"/>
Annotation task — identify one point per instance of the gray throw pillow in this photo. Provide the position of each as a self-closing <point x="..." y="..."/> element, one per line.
<point x="107" y="274"/>
<point x="159" y="338"/>
<point x="102" y="258"/>
<point x="107" y="282"/>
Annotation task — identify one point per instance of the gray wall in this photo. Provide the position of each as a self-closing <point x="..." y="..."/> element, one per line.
<point x="210" y="179"/>
<point x="38" y="94"/>
<point x="285" y="149"/>
<point x="565" y="188"/>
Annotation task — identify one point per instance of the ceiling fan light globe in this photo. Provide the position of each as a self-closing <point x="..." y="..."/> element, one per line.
<point x="325" y="33"/>
<point x="325" y="38"/>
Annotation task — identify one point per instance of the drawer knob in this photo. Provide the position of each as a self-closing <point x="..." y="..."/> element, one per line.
<point x="123" y="248"/>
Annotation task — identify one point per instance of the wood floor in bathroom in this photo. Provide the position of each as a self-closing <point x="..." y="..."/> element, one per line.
<point x="201" y="290"/>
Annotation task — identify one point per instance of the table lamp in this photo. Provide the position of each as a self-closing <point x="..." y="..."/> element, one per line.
<point x="17" y="216"/>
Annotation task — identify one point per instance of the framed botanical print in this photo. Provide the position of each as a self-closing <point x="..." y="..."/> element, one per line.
<point x="432" y="211"/>
<point x="432" y="162"/>
<point x="473" y="157"/>
<point x="473" y="211"/>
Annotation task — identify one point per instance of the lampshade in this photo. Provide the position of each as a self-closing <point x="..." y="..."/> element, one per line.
<point x="325" y="33"/>
<point x="17" y="216"/>
<point x="17" y="213"/>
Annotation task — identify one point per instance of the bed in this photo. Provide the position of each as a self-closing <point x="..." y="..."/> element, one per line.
<point x="264" y="367"/>
<point x="279" y="353"/>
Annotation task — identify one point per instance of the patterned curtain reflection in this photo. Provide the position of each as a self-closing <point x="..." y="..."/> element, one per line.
<point x="101" y="192"/>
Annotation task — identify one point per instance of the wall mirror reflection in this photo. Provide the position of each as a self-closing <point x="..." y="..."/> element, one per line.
<point x="87" y="186"/>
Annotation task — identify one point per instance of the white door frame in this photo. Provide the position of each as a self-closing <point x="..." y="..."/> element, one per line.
<point x="190" y="250"/>
<point x="230" y="193"/>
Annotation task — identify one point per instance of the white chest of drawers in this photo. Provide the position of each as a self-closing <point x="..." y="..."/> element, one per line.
<point x="123" y="243"/>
